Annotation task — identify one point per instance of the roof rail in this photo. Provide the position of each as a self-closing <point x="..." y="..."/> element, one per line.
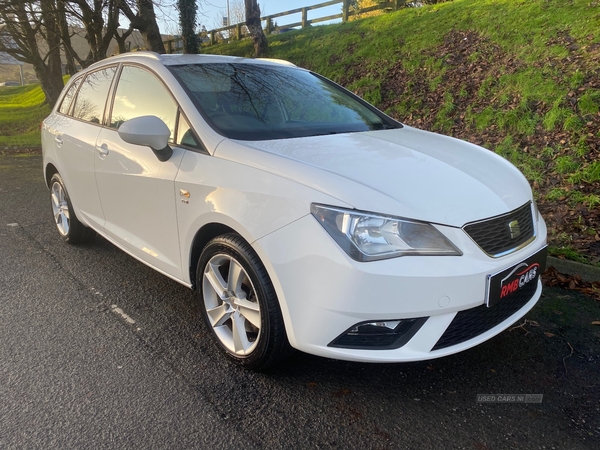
<point x="277" y="61"/>
<point x="144" y="53"/>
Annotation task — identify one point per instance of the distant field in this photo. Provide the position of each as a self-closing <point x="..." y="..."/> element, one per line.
<point x="22" y="110"/>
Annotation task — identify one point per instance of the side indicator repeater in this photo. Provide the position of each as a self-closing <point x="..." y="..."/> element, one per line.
<point x="185" y="195"/>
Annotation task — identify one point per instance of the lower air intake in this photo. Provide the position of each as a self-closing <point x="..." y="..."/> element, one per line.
<point x="472" y="322"/>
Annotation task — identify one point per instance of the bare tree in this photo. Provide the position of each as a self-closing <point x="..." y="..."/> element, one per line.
<point x="144" y="20"/>
<point x="30" y="33"/>
<point x="99" y="19"/>
<point x="261" y="46"/>
<point x="121" y="39"/>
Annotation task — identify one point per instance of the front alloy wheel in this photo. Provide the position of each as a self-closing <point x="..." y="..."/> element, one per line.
<point x="239" y="304"/>
<point x="231" y="304"/>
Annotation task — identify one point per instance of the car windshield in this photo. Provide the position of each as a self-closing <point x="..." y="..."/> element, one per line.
<point x="263" y="102"/>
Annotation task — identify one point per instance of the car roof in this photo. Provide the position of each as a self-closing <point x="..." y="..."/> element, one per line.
<point x="178" y="59"/>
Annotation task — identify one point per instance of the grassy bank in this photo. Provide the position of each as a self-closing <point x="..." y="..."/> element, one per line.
<point x="22" y="109"/>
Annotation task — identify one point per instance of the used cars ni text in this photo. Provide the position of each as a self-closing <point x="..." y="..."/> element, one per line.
<point x="304" y="217"/>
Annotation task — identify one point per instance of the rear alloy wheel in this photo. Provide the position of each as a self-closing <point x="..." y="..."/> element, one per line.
<point x="239" y="304"/>
<point x="69" y="227"/>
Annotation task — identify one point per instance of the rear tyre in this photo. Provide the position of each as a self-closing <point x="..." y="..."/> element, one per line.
<point x="69" y="227"/>
<point x="239" y="304"/>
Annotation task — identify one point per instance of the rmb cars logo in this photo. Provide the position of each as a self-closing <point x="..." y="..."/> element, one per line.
<point x="520" y="276"/>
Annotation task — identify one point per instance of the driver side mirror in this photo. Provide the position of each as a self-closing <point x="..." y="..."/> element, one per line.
<point x="149" y="131"/>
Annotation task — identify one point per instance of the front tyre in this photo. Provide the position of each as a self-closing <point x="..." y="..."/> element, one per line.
<point x="239" y="304"/>
<point x="69" y="227"/>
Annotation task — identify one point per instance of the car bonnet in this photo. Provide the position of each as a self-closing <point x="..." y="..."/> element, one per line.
<point x="429" y="177"/>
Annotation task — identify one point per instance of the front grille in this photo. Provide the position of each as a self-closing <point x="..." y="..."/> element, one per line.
<point x="472" y="322"/>
<point x="501" y="234"/>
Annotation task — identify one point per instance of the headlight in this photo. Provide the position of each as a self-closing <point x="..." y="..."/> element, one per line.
<point x="369" y="237"/>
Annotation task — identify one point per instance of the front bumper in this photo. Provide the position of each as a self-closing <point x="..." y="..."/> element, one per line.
<point x="323" y="293"/>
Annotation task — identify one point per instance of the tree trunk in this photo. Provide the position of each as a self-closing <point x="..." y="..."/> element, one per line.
<point x="61" y="18"/>
<point x="22" y="29"/>
<point x="145" y="22"/>
<point x="149" y="29"/>
<point x="51" y="80"/>
<point x="122" y="40"/>
<point x="187" y="20"/>
<point x="261" y="46"/>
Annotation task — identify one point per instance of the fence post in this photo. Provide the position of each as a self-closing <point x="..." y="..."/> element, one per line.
<point x="398" y="4"/>
<point x="212" y="37"/>
<point x="238" y="31"/>
<point x="169" y="46"/>
<point x="269" y="25"/>
<point x="345" y="10"/>
<point x="304" y="17"/>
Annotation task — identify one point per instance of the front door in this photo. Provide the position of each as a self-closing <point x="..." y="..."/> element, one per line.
<point x="137" y="191"/>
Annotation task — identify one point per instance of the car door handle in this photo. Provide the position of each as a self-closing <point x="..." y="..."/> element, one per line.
<point x="102" y="149"/>
<point x="58" y="141"/>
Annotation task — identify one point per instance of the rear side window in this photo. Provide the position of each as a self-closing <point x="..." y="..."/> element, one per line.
<point x="65" y="106"/>
<point x="140" y="93"/>
<point x="91" y="98"/>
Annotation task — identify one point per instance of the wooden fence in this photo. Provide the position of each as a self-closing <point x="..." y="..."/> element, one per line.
<point x="237" y="31"/>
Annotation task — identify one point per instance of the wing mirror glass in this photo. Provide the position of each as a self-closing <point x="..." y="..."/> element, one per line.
<point x="149" y="131"/>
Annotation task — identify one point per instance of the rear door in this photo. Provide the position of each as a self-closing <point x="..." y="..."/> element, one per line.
<point x="75" y="129"/>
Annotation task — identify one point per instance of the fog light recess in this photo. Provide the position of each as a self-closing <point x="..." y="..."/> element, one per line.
<point x="379" y="335"/>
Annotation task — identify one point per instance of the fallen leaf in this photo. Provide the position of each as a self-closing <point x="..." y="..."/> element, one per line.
<point x="341" y="393"/>
<point x="549" y="334"/>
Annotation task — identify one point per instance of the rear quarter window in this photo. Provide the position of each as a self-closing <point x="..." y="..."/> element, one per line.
<point x="91" y="99"/>
<point x="67" y="101"/>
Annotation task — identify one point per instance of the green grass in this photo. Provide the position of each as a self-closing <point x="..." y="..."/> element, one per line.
<point x="569" y="253"/>
<point x="589" y="174"/>
<point x="22" y="110"/>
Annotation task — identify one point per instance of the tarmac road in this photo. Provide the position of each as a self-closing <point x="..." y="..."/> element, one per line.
<point x="76" y="373"/>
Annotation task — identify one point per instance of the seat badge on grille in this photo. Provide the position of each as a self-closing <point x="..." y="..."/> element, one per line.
<point x="515" y="229"/>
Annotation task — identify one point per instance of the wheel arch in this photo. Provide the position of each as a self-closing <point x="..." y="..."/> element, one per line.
<point x="201" y="238"/>
<point x="49" y="173"/>
<point x="215" y="228"/>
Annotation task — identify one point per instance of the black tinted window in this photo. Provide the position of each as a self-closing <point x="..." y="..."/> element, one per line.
<point x="65" y="106"/>
<point x="140" y="93"/>
<point x="91" y="98"/>
<point x="259" y="102"/>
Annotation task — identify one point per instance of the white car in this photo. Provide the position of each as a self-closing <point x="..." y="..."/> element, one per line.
<point x="304" y="217"/>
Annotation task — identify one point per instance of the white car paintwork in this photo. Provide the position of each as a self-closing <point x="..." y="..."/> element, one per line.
<point x="250" y="200"/>
<point x="423" y="172"/>
<point x="138" y="197"/>
<point x="75" y="143"/>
